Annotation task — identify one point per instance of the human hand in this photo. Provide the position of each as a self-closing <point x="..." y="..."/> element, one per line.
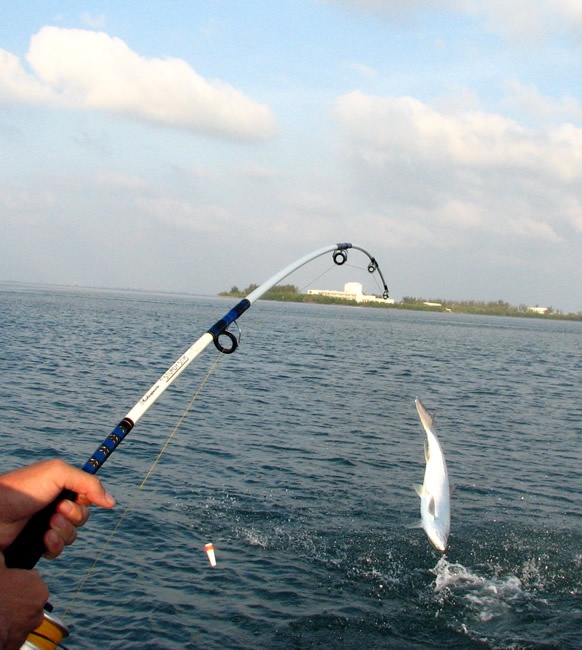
<point x="23" y="596"/>
<point x="25" y="491"/>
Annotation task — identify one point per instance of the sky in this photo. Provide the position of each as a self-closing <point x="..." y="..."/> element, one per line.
<point x="194" y="146"/>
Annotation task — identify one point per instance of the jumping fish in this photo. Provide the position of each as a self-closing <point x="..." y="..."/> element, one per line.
<point x="434" y="493"/>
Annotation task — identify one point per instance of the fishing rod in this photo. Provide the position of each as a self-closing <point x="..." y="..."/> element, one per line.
<point x="28" y="547"/>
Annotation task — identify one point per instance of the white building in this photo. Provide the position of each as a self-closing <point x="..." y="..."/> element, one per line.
<point x="352" y="291"/>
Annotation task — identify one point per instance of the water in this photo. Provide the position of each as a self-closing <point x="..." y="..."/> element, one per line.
<point x="297" y="461"/>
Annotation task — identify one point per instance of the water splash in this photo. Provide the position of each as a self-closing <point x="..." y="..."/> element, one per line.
<point x="485" y="597"/>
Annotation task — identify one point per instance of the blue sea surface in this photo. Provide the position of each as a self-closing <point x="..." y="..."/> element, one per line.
<point x="297" y="460"/>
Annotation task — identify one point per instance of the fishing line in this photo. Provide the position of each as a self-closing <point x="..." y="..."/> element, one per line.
<point x="179" y="423"/>
<point x="332" y="266"/>
<point x="26" y="550"/>
<point x="325" y="272"/>
<point x="362" y="269"/>
<point x="260" y="320"/>
<point x="151" y="470"/>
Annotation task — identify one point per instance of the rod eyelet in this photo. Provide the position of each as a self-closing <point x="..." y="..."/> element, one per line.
<point x="230" y="348"/>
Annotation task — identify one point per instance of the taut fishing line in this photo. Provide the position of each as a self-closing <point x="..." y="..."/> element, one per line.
<point x="260" y="320"/>
<point x="316" y="278"/>
<point x="153" y="466"/>
<point x="151" y="470"/>
<point x="28" y="547"/>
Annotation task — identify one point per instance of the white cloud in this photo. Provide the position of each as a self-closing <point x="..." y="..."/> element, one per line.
<point x="399" y="7"/>
<point x="527" y="100"/>
<point x="404" y="123"/>
<point x="464" y="170"/>
<point x="185" y="215"/>
<point x="77" y="68"/>
<point x="518" y="19"/>
<point x="530" y="228"/>
<point x="26" y="208"/>
<point x="363" y="71"/>
<point x="530" y="19"/>
<point x="92" y="21"/>
<point x="112" y="180"/>
<point x="15" y="83"/>
<point x="258" y="172"/>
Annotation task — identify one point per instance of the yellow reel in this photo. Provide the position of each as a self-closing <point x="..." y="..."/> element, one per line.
<point x="48" y="635"/>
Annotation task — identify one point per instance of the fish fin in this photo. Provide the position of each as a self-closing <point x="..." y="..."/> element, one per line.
<point x="426" y="451"/>
<point x="432" y="507"/>
<point x="419" y="489"/>
<point x="418" y="524"/>
<point x="452" y="489"/>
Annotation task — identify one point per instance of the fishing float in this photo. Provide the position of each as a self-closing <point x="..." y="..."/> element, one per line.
<point x="28" y="547"/>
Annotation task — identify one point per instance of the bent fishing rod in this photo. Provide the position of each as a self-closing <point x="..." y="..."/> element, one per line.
<point x="28" y="547"/>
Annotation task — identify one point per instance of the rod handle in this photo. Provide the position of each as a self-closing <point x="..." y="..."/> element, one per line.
<point x="27" y="549"/>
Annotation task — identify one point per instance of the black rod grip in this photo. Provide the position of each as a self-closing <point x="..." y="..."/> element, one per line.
<point x="27" y="549"/>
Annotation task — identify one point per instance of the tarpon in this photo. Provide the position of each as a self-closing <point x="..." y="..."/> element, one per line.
<point x="434" y="493"/>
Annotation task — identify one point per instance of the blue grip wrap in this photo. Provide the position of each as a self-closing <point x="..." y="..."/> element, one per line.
<point x="110" y="443"/>
<point x="229" y="318"/>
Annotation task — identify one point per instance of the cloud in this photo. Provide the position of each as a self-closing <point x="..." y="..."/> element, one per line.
<point x="83" y="69"/>
<point x="258" y="172"/>
<point x="515" y="20"/>
<point x="530" y="19"/>
<point x="364" y="71"/>
<point x="27" y="207"/>
<point x="464" y="170"/>
<point x="115" y="180"/>
<point x="16" y="84"/>
<point x="185" y="215"/>
<point x="398" y="7"/>
<point x="95" y="22"/>
<point x="398" y="124"/>
<point x="529" y="101"/>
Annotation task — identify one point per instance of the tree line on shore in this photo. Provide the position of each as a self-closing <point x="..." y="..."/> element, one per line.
<point x="290" y="293"/>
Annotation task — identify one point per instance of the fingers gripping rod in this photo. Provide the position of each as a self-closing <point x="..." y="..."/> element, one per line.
<point x="28" y="547"/>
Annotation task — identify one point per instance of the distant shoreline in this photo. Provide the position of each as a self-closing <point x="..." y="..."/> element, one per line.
<point x="290" y="293"/>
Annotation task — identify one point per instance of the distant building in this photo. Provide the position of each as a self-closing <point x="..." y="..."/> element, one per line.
<point x="352" y="291"/>
<point x="539" y="310"/>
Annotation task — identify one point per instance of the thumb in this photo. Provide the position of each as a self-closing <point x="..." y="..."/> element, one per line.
<point x="89" y="488"/>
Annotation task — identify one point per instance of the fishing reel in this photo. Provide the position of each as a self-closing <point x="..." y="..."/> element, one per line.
<point x="48" y="635"/>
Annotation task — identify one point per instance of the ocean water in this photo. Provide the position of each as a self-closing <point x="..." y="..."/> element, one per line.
<point x="297" y="460"/>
